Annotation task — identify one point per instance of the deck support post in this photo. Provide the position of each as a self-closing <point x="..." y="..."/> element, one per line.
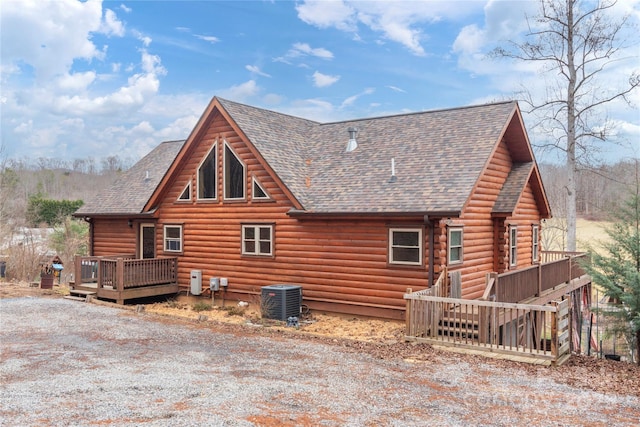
<point x="77" y="270"/>
<point x="408" y="312"/>
<point x="119" y="276"/>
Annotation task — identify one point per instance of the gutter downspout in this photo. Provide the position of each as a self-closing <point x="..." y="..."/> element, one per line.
<point x="431" y="247"/>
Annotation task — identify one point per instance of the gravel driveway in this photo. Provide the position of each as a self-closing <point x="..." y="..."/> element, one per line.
<point x="70" y="363"/>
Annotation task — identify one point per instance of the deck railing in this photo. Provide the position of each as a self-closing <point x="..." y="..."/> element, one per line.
<point x="556" y="269"/>
<point x="125" y="272"/>
<point x="538" y="331"/>
<point x="135" y="273"/>
<point x="86" y="267"/>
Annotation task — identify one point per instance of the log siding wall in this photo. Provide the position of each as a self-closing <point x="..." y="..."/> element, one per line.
<point x="479" y="225"/>
<point x="486" y="239"/>
<point x="113" y="237"/>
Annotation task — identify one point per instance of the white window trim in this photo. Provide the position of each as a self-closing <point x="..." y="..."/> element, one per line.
<point x="420" y="246"/>
<point x="188" y="186"/>
<point x="224" y="173"/>
<point x="213" y="147"/>
<point x="253" y="195"/>
<point x="165" y="239"/>
<point x="256" y="228"/>
<point x="449" y="246"/>
<point x="513" y="246"/>
<point x="535" y="243"/>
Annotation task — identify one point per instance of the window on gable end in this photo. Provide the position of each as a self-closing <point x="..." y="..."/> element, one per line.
<point x="186" y="193"/>
<point x="234" y="175"/>
<point x="259" y="193"/>
<point x="207" y="175"/>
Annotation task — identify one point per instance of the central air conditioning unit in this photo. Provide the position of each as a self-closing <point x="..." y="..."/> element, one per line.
<point x="281" y="301"/>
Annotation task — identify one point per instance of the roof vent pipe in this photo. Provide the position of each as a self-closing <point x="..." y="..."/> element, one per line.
<point x="393" y="170"/>
<point x="353" y="144"/>
<point x="146" y="175"/>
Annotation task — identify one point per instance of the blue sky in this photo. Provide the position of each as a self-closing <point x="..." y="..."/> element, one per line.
<point x="103" y="78"/>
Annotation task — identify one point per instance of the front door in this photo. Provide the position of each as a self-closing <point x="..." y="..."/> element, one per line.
<point x="147" y="241"/>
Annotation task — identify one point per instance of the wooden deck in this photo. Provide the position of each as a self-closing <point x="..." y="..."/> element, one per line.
<point x="123" y="277"/>
<point x="537" y="327"/>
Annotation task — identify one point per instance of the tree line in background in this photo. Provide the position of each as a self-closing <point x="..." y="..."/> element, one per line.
<point x="599" y="189"/>
<point x="37" y="199"/>
<point x="38" y="193"/>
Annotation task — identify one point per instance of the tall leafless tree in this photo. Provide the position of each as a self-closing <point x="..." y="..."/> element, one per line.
<point x="576" y="42"/>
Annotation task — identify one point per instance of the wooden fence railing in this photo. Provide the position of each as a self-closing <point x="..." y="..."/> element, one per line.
<point x="125" y="272"/>
<point x="86" y="267"/>
<point x="520" y="329"/>
<point x="134" y="273"/>
<point x="518" y="285"/>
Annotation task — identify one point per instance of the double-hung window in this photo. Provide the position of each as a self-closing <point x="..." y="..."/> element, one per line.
<point x="535" y="243"/>
<point x="455" y="245"/>
<point x="257" y="239"/>
<point x="173" y="238"/>
<point x="405" y="246"/>
<point x="513" y="246"/>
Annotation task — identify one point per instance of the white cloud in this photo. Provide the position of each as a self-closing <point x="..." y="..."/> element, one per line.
<point x="324" y="80"/>
<point x="401" y="22"/>
<point x="178" y="128"/>
<point x="125" y="8"/>
<point x="59" y="32"/>
<point x="241" y="92"/>
<point x="303" y="49"/>
<point x="210" y="39"/>
<point x="325" y="14"/>
<point x="313" y="109"/>
<point x="143" y="127"/>
<point x="352" y="99"/>
<point x="111" y="24"/>
<point x="76" y="82"/>
<point x="396" y="89"/>
<point x="146" y="40"/>
<point x="256" y="70"/>
<point x="73" y="124"/>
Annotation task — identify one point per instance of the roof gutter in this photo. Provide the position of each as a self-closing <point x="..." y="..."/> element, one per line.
<point x="426" y="215"/>
<point x="113" y="215"/>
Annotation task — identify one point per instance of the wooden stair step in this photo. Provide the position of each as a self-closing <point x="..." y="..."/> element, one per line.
<point x="71" y="297"/>
<point x="81" y="292"/>
<point x="457" y="332"/>
<point x="459" y="323"/>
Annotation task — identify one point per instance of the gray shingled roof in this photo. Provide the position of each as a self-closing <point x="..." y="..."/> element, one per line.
<point x="439" y="155"/>
<point x="132" y="190"/>
<point x="512" y="188"/>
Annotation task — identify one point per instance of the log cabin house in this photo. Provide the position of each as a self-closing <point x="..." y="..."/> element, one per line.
<point x="355" y="212"/>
